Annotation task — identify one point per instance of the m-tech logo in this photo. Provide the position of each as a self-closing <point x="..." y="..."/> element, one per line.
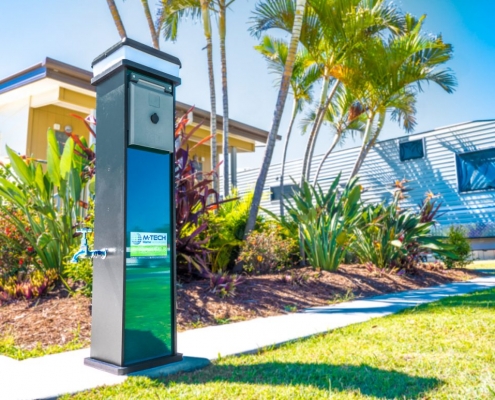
<point x="136" y="239"/>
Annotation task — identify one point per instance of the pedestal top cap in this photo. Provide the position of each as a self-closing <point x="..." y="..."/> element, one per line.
<point x="132" y="51"/>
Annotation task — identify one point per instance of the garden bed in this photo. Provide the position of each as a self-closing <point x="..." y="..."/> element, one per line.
<point x="58" y="319"/>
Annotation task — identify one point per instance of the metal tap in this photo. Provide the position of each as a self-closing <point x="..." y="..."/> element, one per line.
<point x="84" y="250"/>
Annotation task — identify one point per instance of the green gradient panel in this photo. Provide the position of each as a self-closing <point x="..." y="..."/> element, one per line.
<point x="148" y="321"/>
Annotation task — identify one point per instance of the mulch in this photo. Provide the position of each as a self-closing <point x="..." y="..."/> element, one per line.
<point x="58" y="318"/>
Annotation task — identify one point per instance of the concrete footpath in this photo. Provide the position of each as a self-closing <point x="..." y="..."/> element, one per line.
<point x="54" y="375"/>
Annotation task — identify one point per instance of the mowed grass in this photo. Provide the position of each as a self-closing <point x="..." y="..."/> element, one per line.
<point x="482" y="264"/>
<point x="9" y="348"/>
<point x="443" y="350"/>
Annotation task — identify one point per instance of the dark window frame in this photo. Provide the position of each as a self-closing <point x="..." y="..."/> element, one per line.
<point x="459" y="167"/>
<point x="275" y="191"/>
<point x="423" y="153"/>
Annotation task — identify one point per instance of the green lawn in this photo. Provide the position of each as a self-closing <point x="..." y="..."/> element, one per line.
<point x="443" y="350"/>
<point x="9" y="348"/>
<point x="483" y="264"/>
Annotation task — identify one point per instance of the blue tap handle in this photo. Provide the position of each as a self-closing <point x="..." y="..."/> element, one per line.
<point x="84" y="250"/>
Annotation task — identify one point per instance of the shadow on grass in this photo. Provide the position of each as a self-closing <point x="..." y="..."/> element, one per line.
<point x="369" y="381"/>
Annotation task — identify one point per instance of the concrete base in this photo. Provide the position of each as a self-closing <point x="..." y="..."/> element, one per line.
<point x="125" y="370"/>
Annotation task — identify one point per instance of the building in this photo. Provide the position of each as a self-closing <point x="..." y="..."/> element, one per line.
<point x="46" y="94"/>
<point x="457" y="163"/>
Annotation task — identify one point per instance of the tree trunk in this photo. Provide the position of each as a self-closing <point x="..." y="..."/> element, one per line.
<point x="319" y="115"/>
<point x="332" y="146"/>
<point x="205" y="13"/>
<point x="151" y="25"/>
<point x="116" y="18"/>
<point x="222" y="26"/>
<point x="364" y="147"/>
<point x="284" y="157"/>
<point x="318" y="127"/>
<point x="277" y="115"/>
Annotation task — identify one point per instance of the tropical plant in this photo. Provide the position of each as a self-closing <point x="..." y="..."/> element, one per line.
<point x="326" y="220"/>
<point x="461" y="248"/>
<point x="224" y="284"/>
<point x="391" y="237"/>
<point x="50" y="200"/>
<point x="297" y="25"/>
<point x="222" y="33"/>
<point x="265" y="251"/>
<point x="331" y="31"/>
<point x="345" y="117"/>
<point x="301" y="83"/>
<point x="226" y="230"/>
<point x="116" y="18"/>
<point x="393" y="70"/>
<point x="169" y="17"/>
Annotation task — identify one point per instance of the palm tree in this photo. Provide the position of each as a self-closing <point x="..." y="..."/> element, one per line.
<point x="116" y="18"/>
<point x="152" y="28"/>
<point x="301" y="83"/>
<point x="222" y="30"/>
<point x="345" y="117"/>
<point x="393" y="72"/>
<point x="332" y="29"/>
<point x="297" y="25"/>
<point x="169" y="16"/>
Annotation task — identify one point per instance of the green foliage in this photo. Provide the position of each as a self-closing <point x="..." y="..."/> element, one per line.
<point x="325" y="220"/>
<point x="226" y="229"/>
<point x="50" y="200"/>
<point x="9" y="348"/>
<point x="267" y="251"/>
<point x="461" y="248"/>
<point x="80" y="274"/>
<point x="390" y="237"/>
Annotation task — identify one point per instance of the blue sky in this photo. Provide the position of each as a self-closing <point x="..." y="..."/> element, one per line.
<point x="76" y="31"/>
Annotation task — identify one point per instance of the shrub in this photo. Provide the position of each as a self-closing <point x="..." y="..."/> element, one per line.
<point x="265" y="251"/>
<point x="193" y="198"/>
<point x="226" y="231"/>
<point x="224" y="284"/>
<point x="80" y="274"/>
<point x="461" y="248"/>
<point x="325" y="220"/>
<point x="390" y="237"/>
<point x="49" y="200"/>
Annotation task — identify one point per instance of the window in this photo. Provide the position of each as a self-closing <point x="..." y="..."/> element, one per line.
<point x="411" y="150"/>
<point x="476" y="170"/>
<point x="288" y="192"/>
<point x="61" y="139"/>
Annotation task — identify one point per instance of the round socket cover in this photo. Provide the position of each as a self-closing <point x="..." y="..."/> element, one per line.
<point x="155" y="118"/>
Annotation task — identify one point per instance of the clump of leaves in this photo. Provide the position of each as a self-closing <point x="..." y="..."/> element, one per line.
<point x="226" y="231"/>
<point x="224" y="284"/>
<point x="296" y="278"/>
<point x="266" y="251"/>
<point x="48" y="202"/>
<point x="461" y="248"/>
<point x="193" y="198"/>
<point x="393" y="238"/>
<point x="325" y="220"/>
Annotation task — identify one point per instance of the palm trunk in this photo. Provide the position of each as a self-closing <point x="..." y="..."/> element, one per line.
<point x="284" y="157"/>
<point x="151" y="25"/>
<point x="364" y="147"/>
<point x="332" y="147"/>
<point x="277" y="115"/>
<point x="205" y="13"/>
<point x="318" y="127"/>
<point x="116" y="18"/>
<point x="318" y="116"/>
<point x="222" y="26"/>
